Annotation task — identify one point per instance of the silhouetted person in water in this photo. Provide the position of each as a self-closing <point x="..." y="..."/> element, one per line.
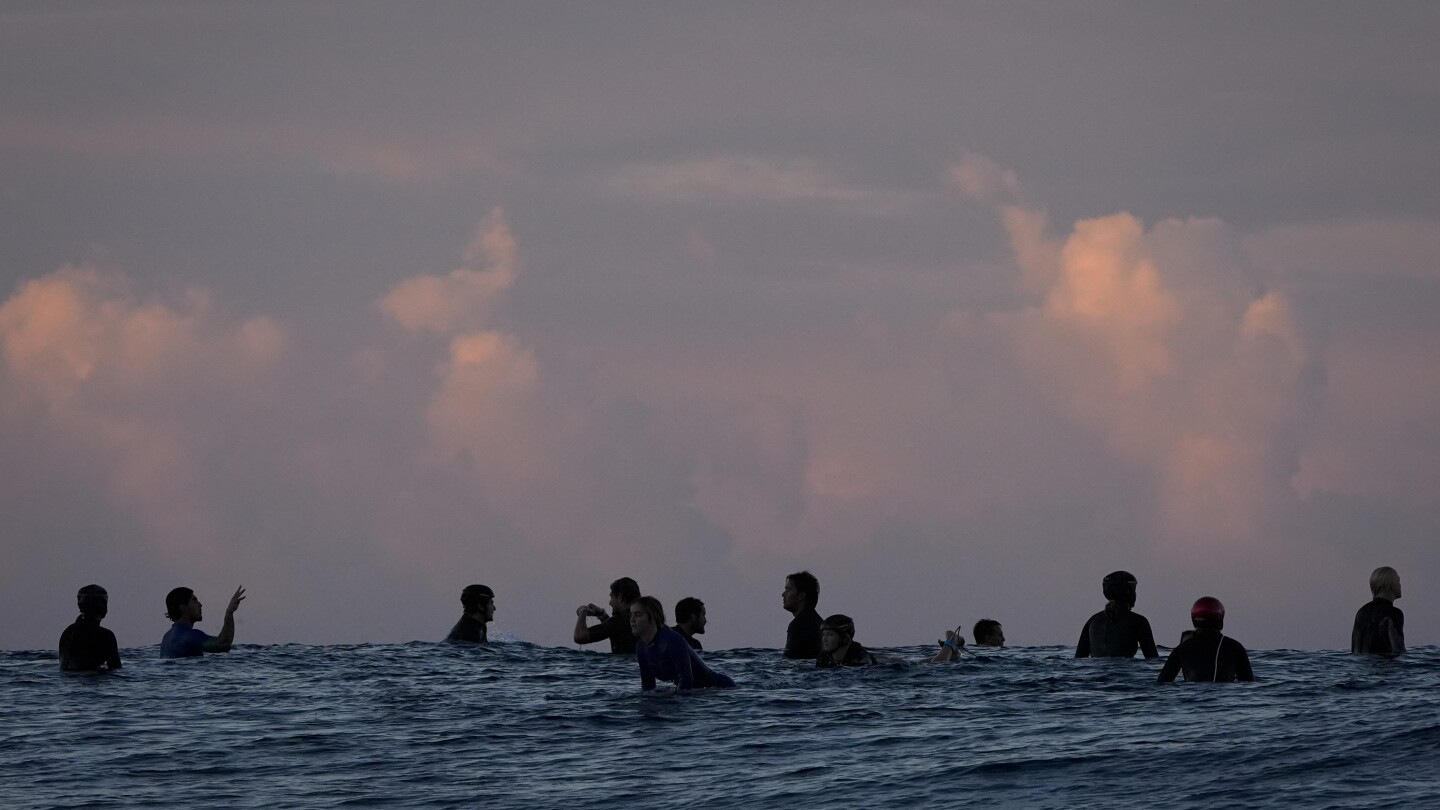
<point x="1117" y="631"/>
<point x="989" y="633"/>
<point x="182" y="640"/>
<point x="800" y="597"/>
<point x="1208" y="655"/>
<point x="613" y="626"/>
<point x="838" y="647"/>
<point x="478" y="604"/>
<point x="690" y="620"/>
<point x="85" y="646"/>
<point x="1380" y="626"/>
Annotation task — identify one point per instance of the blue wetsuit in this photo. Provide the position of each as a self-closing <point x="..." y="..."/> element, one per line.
<point x="183" y="641"/>
<point x="668" y="658"/>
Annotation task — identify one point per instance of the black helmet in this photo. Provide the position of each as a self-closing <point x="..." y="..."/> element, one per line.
<point x="476" y="595"/>
<point x="93" y="601"/>
<point x="1119" y="586"/>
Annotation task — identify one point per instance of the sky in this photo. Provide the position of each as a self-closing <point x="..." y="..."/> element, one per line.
<point x="959" y="306"/>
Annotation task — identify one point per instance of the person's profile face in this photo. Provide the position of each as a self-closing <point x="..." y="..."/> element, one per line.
<point x="194" y="611"/>
<point x="791" y="598"/>
<point x="829" y="640"/>
<point x="617" y="605"/>
<point x="489" y="609"/>
<point x="639" y="619"/>
<point x="700" y="621"/>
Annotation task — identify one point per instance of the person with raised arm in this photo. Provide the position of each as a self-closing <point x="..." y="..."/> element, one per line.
<point x="614" y="626"/>
<point x="182" y="640"/>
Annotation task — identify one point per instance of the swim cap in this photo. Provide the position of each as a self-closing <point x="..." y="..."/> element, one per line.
<point x="840" y="623"/>
<point x="1208" y="611"/>
<point x="1118" y="584"/>
<point x="92" y="601"/>
<point x="473" y="594"/>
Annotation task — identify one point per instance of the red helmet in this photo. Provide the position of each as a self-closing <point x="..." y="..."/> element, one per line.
<point x="1207" y="609"/>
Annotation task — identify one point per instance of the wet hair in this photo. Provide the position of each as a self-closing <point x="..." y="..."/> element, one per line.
<point x="475" y="597"/>
<point x="984" y="629"/>
<point x="652" y="606"/>
<point x="840" y="623"/>
<point x="175" y="602"/>
<point x="1385" y="583"/>
<point x="687" y="609"/>
<point x="806" y="583"/>
<point x="1119" y="586"/>
<point x="626" y="588"/>
<point x="93" y="601"/>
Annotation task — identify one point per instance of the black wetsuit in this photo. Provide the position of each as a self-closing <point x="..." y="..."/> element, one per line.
<point x="802" y="637"/>
<point x="1116" y="632"/>
<point x="617" y="629"/>
<point x="855" y="656"/>
<point x="691" y="640"/>
<point x="1379" y="629"/>
<point x="85" y="646"/>
<point x="1208" y="656"/>
<point x="469" y="630"/>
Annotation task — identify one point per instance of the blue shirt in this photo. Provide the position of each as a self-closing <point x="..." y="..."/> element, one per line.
<point x="183" y="641"/>
<point x="668" y="658"/>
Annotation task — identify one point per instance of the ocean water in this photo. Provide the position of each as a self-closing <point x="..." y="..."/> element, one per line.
<point x="515" y="725"/>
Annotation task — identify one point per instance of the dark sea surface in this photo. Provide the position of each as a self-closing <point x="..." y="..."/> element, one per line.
<point x="515" y="725"/>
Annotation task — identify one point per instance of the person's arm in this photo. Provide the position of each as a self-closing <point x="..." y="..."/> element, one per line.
<point x="1243" y="672"/>
<point x="1357" y="633"/>
<point x="1147" y="639"/>
<point x="590" y="635"/>
<point x="1397" y="632"/>
<point x="223" y="642"/>
<point x="950" y="647"/>
<point x="679" y="655"/>
<point x="1172" y="664"/>
<point x="112" y="654"/>
<point x="1082" y="647"/>
<point x="65" y="642"/>
<point x="647" y="667"/>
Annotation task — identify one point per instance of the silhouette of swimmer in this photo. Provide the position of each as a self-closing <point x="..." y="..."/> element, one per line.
<point x="1117" y="631"/>
<point x="950" y="647"/>
<point x="1379" y="625"/>
<point x="989" y="633"/>
<point x="478" y="604"/>
<point x="1208" y="655"/>
<point x="663" y="654"/>
<point x="800" y="597"/>
<point x="182" y="640"/>
<point x="623" y="593"/>
<point x="85" y="646"/>
<point x="838" y="647"/>
<point x="690" y="621"/>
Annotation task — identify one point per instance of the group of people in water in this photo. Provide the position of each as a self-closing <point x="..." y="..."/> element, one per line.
<point x="636" y="625"/>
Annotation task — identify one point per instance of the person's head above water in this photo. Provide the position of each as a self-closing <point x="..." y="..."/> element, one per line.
<point x="690" y="614"/>
<point x="836" y="631"/>
<point x="93" y="601"/>
<point x="802" y="592"/>
<point x="1119" y="587"/>
<point x="988" y="633"/>
<point x="478" y="599"/>
<point x="647" y="616"/>
<point x="1207" y="614"/>
<point x="623" y="592"/>
<point x="1385" y="583"/>
<point x="178" y="605"/>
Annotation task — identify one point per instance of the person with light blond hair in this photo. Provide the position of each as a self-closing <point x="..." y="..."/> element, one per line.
<point x="1379" y="625"/>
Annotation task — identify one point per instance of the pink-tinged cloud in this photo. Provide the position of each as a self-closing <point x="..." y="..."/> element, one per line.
<point x="465" y="297"/>
<point x="1163" y="341"/>
<point x="117" y="379"/>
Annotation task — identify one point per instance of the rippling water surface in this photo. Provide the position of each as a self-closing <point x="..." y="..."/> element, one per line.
<point x="514" y="725"/>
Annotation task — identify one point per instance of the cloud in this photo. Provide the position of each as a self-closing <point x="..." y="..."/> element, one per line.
<point x="1169" y="344"/>
<point x="465" y="297"/>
